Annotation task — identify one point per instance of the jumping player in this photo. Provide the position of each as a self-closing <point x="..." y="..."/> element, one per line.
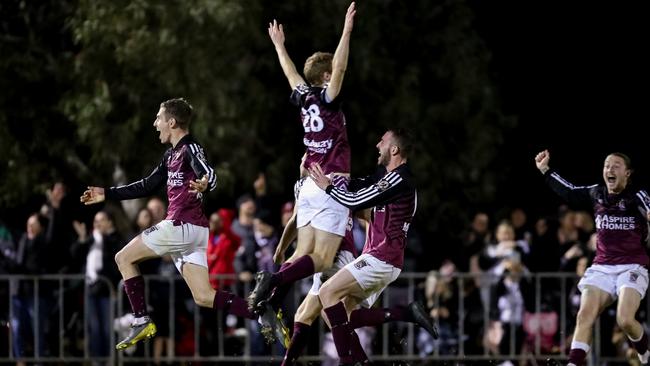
<point x="183" y="234"/>
<point x="392" y="195"/>
<point x="620" y="267"/>
<point x="321" y="221"/>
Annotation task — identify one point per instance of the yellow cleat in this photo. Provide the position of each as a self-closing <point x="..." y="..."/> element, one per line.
<point x="283" y="332"/>
<point x="138" y="333"/>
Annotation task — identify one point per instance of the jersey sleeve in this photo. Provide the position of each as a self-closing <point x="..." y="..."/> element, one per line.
<point x="299" y="94"/>
<point x="574" y="195"/>
<point x="381" y="192"/>
<point x="199" y="164"/>
<point x="644" y="201"/>
<point x="142" y="188"/>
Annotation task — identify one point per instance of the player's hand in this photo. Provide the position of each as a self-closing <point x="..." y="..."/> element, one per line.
<point x="199" y="185"/>
<point x="276" y="33"/>
<point x="316" y="174"/>
<point x="541" y="161"/>
<point x="278" y="257"/>
<point x="349" y="18"/>
<point x="93" y="195"/>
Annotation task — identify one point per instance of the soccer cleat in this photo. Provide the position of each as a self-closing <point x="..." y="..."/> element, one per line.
<point x="261" y="291"/>
<point x="137" y="333"/>
<point x="282" y="332"/>
<point x="272" y="326"/>
<point x="421" y="318"/>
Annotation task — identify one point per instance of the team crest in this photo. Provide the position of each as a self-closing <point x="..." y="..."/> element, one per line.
<point x="621" y="205"/>
<point x="360" y="264"/>
<point x="150" y="230"/>
<point x="382" y="185"/>
<point x="633" y="277"/>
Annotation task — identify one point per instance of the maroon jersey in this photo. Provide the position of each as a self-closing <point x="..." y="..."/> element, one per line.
<point x="347" y="243"/>
<point x="326" y="137"/>
<point x="621" y="224"/>
<point x="394" y="200"/>
<point x="180" y="165"/>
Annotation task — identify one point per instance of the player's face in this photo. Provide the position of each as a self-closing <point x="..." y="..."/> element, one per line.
<point x="162" y="125"/>
<point x="384" y="146"/>
<point x="615" y="174"/>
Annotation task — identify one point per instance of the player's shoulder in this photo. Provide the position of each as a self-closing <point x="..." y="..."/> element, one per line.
<point x="302" y="89"/>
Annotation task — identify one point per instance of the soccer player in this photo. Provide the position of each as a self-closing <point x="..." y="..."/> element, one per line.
<point x="183" y="234"/>
<point x="321" y="221"/>
<point x="620" y="267"/>
<point x="392" y="195"/>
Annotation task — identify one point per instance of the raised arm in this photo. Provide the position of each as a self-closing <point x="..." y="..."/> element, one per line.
<point x="577" y="195"/>
<point x="277" y="37"/>
<point x="340" y="59"/>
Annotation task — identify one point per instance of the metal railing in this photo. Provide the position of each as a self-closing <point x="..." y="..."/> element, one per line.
<point x="61" y="287"/>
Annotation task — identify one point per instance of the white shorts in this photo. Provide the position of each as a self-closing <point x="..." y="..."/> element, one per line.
<point x="613" y="278"/>
<point x="319" y="209"/>
<point x="342" y="258"/>
<point x="372" y="275"/>
<point x="184" y="243"/>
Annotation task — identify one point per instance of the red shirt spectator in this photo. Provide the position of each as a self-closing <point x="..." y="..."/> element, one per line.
<point x="222" y="246"/>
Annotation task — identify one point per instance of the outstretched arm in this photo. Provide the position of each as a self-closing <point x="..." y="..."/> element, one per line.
<point x="277" y="37"/>
<point x="340" y="59"/>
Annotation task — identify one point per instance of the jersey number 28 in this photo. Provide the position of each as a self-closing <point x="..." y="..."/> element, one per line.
<point x="311" y="119"/>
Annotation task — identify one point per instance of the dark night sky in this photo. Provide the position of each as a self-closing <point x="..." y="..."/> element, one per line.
<point x="576" y="75"/>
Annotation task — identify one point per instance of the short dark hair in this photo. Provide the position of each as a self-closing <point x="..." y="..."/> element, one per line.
<point x="316" y="65"/>
<point x="626" y="159"/>
<point x="403" y="138"/>
<point x="180" y="109"/>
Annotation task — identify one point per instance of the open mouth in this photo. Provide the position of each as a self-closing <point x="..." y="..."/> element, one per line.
<point x="611" y="179"/>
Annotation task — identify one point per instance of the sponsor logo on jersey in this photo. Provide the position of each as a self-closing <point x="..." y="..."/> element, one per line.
<point x="610" y="222"/>
<point x="175" y="179"/>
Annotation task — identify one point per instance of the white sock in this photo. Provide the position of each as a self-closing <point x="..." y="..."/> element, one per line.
<point x="580" y="345"/>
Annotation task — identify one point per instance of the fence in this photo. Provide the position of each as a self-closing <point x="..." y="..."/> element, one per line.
<point x="66" y="297"/>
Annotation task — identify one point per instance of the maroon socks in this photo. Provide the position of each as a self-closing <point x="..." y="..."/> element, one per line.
<point x="134" y="288"/>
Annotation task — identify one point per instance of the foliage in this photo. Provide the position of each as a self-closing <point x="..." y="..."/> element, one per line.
<point x="84" y="103"/>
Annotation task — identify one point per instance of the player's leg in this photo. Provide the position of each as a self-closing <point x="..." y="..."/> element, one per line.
<point x="196" y="276"/>
<point x="304" y="246"/>
<point x="300" y="267"/>
<point x="127" y="259"/>
<point x="325" y="248"/>
<point x="333" y="291"/>
<point x="307" y="312"/>
<point x="592" y="302"/>
<point x="632" y="286"/>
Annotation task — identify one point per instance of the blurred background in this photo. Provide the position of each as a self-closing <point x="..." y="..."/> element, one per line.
<point x="484" y="85"/>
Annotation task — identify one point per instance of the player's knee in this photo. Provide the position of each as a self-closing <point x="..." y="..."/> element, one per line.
<point x="327" y="295"/>
<point x="586" y="316"/>
<point x="625" y="321"/>
<point x="203" y="299"/>
<point x="121" y="259"/>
